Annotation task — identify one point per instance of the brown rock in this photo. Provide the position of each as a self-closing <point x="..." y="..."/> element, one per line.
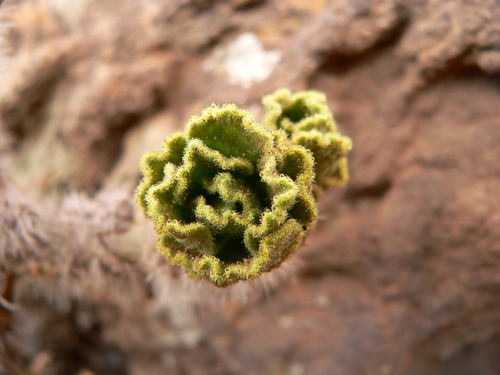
<point x="401" y="275"/>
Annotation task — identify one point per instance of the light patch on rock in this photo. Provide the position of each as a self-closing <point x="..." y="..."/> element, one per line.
<point x="70" y="11"/>
<point x="246" y="61"/>
<point x="3" y="43"/>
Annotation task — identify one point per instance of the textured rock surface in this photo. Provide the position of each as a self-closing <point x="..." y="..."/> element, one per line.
<point x="400" y="276"/>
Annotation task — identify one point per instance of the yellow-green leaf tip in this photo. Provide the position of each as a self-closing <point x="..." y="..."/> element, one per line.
<point x="308" y="121"/>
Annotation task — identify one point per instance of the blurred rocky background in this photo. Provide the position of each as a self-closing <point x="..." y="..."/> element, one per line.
<point x="401" y="275"/>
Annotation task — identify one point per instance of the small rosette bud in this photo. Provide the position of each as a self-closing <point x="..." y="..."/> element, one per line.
<point x="307" y="120"/>
<point x="230" y="199"/>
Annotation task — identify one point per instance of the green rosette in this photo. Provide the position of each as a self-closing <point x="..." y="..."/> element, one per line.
<point x="230" y="199"/>
<point x="308" y="122"/>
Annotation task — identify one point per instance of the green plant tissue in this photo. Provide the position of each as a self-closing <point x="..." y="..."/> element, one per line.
<point x="232" y="199"/>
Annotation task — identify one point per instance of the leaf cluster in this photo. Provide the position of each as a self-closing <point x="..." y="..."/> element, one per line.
<point x="232" y="199"/>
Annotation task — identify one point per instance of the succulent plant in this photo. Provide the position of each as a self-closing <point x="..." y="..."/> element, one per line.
<point x="232" y="199"/>
<point x="308" y="121"/>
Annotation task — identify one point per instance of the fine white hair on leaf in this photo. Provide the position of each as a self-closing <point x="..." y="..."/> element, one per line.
<point x="22" y="231"/>
<point x="62" y="252"/>
<point x="172" y="286"/>
<point x="107" y="212"/>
